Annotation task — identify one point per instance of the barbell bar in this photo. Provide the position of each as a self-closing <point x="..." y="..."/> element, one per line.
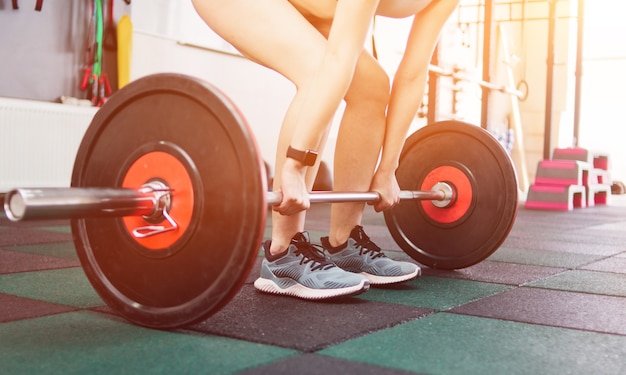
<point x="150" y="201"/>
<point x="463" y="76"/>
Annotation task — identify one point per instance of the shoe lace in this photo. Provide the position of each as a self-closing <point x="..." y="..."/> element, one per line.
<point x="367" y="246"/>
<point x="313" y="253"/>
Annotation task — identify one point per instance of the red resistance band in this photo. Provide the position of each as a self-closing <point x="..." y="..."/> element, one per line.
<point x="38" y="5"/>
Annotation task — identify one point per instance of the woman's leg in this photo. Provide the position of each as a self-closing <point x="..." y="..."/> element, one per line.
<point x="360" y="137"/>
<point x="272" y="33"/>
<point x="359" y="142"/>
<point x="401" y="8"/>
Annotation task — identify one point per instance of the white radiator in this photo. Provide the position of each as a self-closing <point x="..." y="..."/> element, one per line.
<point x="39" y="141"/>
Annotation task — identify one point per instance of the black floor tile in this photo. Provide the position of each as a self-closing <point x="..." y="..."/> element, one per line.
<point x="14" y="261"/>
<point x="553" y="308"/>
<point x="17" y="308"/>
<point x="19" y="235"/>
<point x="302" y="325"/>
<point x="497" y="272"/>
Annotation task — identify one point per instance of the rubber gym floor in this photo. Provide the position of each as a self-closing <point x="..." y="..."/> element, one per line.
<point x="551" y="300"/>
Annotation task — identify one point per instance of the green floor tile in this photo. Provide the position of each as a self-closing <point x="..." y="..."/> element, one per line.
<point x="612" y="284"/>
<point x="615" y="264"/>
<point x="542" y="258"/>
<point x="434" y="292"/>
<point x="58" y="228"/>
<point x="57" y="249"/>
<point x="68" y="286"/>
<point x="90" y="343"/>
<point x="456" y="344"/>
<point x="618" y="226"/>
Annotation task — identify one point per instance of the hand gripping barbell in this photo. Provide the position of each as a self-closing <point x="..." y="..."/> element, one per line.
<point x="168" y="199"/>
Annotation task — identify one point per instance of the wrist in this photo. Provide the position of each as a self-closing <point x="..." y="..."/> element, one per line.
<point x="294" y="165"/>
<point x="386" y="169"/>
<point x="305" y="157"/>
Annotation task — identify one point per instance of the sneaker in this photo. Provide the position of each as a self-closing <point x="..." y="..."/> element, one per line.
<point x="303" y="271"/>
<point x="361" y="255"/>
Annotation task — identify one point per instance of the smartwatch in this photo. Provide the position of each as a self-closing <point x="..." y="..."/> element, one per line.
<point x="306" y="157"/>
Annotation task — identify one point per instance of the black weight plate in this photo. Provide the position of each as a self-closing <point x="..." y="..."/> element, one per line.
<point x="202" y="270"/>
<point x="488" y="196"/>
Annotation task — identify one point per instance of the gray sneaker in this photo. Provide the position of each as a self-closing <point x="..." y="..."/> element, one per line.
<point x="361" y="255"/>
<point x="303" y="271"/>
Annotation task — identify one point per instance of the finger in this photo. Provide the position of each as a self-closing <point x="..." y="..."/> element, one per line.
<point x="290" y="207"/>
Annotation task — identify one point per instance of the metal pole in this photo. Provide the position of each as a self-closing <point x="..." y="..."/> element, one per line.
<point x="67" y="203"/>
<point x="489" y="50"/>
<point x="437" y="70"/>
<point x="579" y="71"/>
<point x="369" y="197"/>
<point x="433" y="90"/>
<point x="547" y="137"/>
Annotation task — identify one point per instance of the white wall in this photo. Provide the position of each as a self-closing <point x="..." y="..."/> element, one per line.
<point x="603" y="122"/>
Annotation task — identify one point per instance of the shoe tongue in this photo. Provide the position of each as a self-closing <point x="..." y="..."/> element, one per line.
<point x="358" y="233"/>
<point x="301" y="237"/>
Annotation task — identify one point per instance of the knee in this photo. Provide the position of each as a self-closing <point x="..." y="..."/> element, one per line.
<point x="369" y="87"/>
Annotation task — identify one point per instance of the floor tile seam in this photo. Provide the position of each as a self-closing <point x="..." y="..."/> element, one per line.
<point x="381" y="366"/>
<point x="521" y="263"/>
<point x="517" y="248"/>
<point x="575" y="291"/>
<point x="468" y="302"/>
<point x="55" y="302"/>
<point x="69" y="308"/>
<point x="358" y="335"/>
<point x="511" y="285"/>
<point x="601" y="260"/>
<point x="271" y="362"/>
<point x="75" y="309"/>
<point x="577" y="268"/>
<point x="37" y="243"/>
<point x="562" y="272"/>
<point x="12" y="250"/>
<point x="519" y="321"/>
<point x="597" y="271"/>
<point x="557" y="269"/>
<point x="41" y="270"/>
<point x="619" y="254"/>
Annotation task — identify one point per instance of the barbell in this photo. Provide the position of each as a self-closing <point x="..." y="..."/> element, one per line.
<point x="464" y="76"/>
<point x="168" y="199"/>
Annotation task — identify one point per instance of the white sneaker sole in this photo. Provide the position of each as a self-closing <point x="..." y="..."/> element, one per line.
<point x="383" y="280"/>
<point x="301" y="291"/>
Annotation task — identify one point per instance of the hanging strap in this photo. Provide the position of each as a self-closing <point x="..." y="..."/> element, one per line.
<point x="38" y="5"/>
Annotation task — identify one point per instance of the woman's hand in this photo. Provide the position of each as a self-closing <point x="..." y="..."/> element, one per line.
<point x="386" y="184"/>
<point x="293" y="189"/>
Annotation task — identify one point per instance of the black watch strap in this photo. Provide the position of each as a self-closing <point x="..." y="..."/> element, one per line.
<point x="306" y="157"/>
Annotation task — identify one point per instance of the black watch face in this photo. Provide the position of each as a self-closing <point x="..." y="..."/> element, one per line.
<point x="309" y="157"/>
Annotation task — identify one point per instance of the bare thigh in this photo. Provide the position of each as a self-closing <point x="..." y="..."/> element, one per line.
<point x="270" y="32"/>
<point x="401" y="8"/>
<point x="370" y="81"/>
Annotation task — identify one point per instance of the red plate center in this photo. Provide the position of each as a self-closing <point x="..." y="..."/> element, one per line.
<point x="463" y="191"/>
<point x="159" y="165"/>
